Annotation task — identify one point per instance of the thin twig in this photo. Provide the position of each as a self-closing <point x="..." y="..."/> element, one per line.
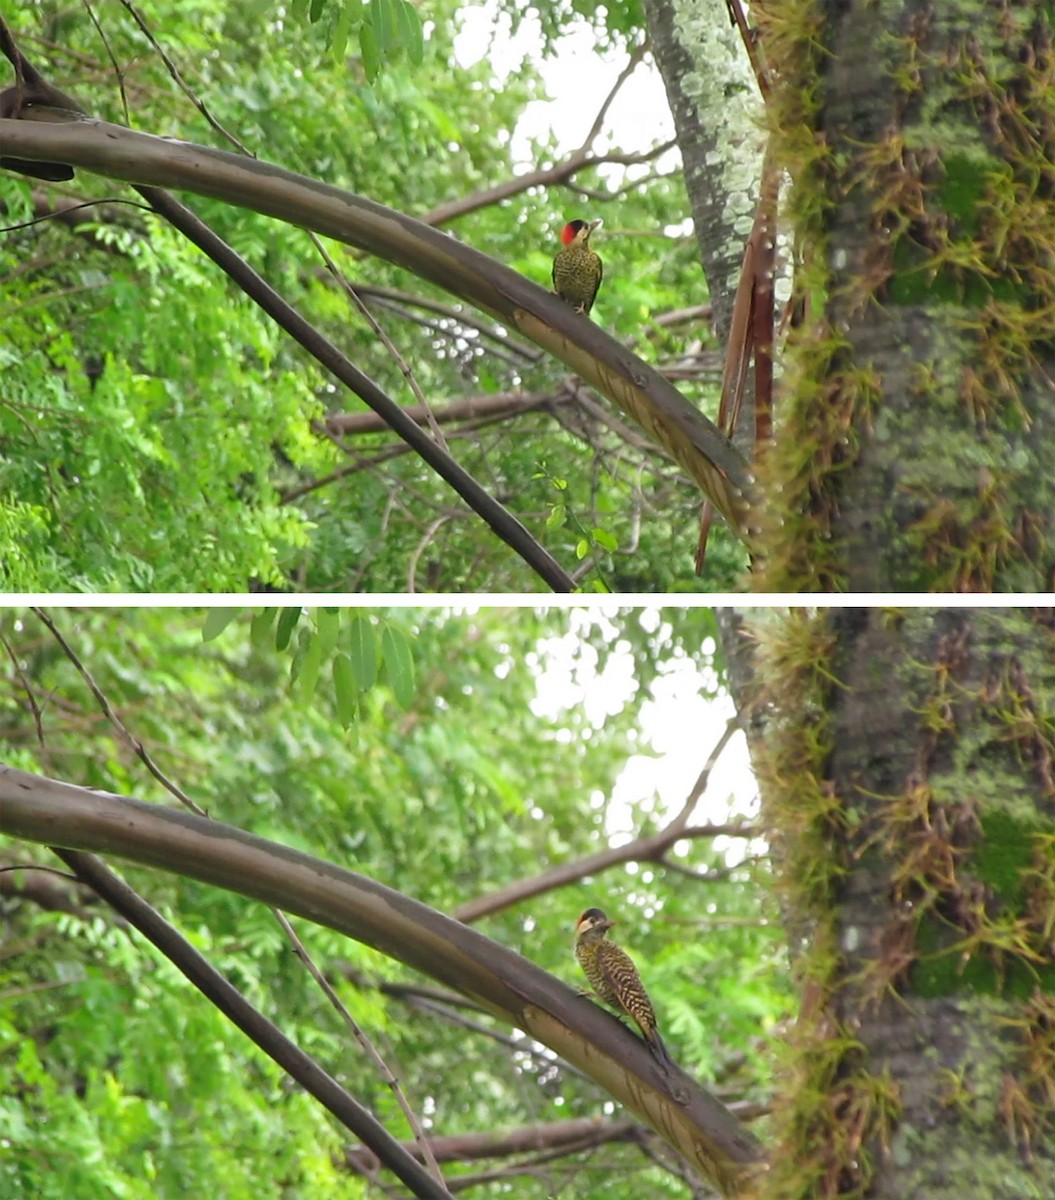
<point x="495" y="333"/>
<point x="503" y="404"/>
<point x="386" y="341"/>
<point x="27" y="687"/>
<point x="636" y="56"/>
<point x="120" y="75"/>
<point x="716" y="874"/>
<point x="185" y="88"/>
<point x="425" y="1150"/>
<point x="225" y="997"/>
<point x="136" y="745"/>
<point x="423" y="542"/>
<point x="558" y="173"/>
<point x="298" y="946"/>
<point x="650" y="848"/>
<point x="700" y="786"/>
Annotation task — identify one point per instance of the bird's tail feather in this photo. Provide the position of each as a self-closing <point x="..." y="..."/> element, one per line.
<point x="659" y="1051"/>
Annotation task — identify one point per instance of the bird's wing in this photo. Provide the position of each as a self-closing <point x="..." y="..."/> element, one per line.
<point x="615" y="965"/>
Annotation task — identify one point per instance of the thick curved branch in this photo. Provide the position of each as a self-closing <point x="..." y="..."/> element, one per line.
<point x="689" y="1119"/>
<point x="630" y="383"/>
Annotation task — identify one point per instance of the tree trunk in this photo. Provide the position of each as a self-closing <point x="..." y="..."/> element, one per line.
<point x="914" y="452"/>
<point x="908" y="785"/>
<point x="717" y="112"/>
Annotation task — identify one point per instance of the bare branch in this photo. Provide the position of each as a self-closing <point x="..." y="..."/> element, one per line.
<point x="497" y="516"/>
<point x="567" y="1136"/>
<point x="652" y="848"/>
<point x="646" y="849"/>
<point x="716" y="874"/>
<point x="697" y="312"/>
<point x="497" y="404"/>
<point x="544" y="177"/>
<point x="137" y="747"/>
<point x="636" y="57"/>
<point x="423" y="543"/>
<point x="700" y="786"/>
<point x="422" y="1151"/>
<point x="631" y="384"/>
<point x="512" y="988"/>
<point x="170" y="66"/>
<point x="463" y="317"/>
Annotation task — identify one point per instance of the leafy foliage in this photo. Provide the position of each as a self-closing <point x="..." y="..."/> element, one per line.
<point x="117" y="1078"/>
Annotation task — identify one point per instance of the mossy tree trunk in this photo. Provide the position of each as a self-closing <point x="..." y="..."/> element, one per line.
<point x="918" y="426"/>
<point x="908" y="783"/>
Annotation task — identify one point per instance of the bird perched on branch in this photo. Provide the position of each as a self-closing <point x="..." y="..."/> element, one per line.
<point x="577" y="270"/>
<point x="614" y="977"/>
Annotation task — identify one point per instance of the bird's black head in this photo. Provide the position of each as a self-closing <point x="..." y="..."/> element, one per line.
<point x="593" y="919"/>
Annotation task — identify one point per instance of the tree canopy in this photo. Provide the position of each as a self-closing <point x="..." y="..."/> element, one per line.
<point x="491" y="760"/>
<point x="162" y="434"/>
<point x="853" y="975"/>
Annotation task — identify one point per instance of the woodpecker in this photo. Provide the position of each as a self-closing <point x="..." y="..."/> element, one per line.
<point x="614" y="977"/>
<point x="577" y="270"/>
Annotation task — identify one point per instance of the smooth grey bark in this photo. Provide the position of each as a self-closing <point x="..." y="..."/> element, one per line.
<point x="717" y="113"/>
<point x="714" y="99"/>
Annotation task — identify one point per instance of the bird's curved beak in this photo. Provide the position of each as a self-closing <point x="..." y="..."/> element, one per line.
<point x="605" y="924"/>
<point x="596" y="223"/>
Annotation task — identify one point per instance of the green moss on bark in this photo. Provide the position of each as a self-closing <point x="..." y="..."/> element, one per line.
<point x="917" y="418"/>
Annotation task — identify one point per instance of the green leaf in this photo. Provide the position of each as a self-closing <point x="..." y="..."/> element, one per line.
<point x="398" y="663"/>
<point x="345" y="690"/>
<point x="382" y="19"/>
<point x="318" y="7"/>
<point x="582" y="548"/>
<point x="260" y="628"/>
<point x="287" y="622"/>
<point x="557" y="516"/>
<point x="307" y="675"/>
<point x="604" y="539"/>
<point x="411" y="35"/>
<point x="362" y="651"/>
<point x="341" y="29"/>
<point x="216" y="621"/>
<point x="328" y="626"/>
<point x="368" y="50"/>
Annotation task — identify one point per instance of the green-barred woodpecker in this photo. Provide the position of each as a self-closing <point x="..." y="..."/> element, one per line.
<point x="577" y="270"/>
<point x="614" y="977"/>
